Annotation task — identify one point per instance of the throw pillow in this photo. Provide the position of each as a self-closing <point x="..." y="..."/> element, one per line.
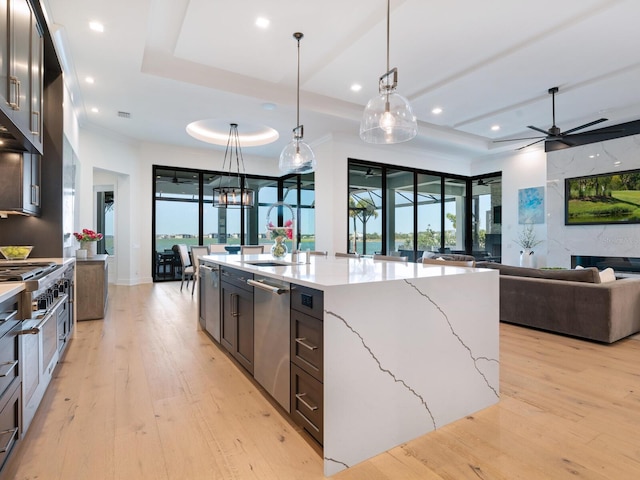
<point x="607" y="275"/>
<point x="579" y="267"/>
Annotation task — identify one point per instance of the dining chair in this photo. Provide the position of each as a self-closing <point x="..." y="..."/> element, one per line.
<point x="249" y="249"/>
<point x="187" y="266"/>
<point x="389" y="258"/>
<point x="197" y="251"/>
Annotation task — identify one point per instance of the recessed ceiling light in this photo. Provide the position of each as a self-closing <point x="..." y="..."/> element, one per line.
<point x="96" y="26"/>
<point x="356" y="87"/>
<point x="262" y="22"/>
<point x="95" y="110"/>
<point x="436" y="111"/>
<point x="89" y="80"/>
<point x="495" y="128"/>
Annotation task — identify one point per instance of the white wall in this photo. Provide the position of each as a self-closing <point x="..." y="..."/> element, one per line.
<point x="599" y="240"/>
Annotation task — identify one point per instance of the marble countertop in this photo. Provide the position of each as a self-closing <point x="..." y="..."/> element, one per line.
<point x="331" y="271"/>
<point x="9" y="289"/>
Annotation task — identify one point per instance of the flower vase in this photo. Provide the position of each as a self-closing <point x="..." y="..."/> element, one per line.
<point x="90" y="247"/>
<point x="279" y="249"/>
<point x="526" y="258"/>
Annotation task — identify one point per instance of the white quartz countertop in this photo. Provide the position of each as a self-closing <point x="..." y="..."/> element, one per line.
<point x="9" y="289"/>
<point x="330" y="271"/>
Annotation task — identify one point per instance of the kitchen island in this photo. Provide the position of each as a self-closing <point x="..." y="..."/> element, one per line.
<point x="405" y="348"/>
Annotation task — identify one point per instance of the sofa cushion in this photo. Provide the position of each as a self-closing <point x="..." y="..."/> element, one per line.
<point x="586" y="275"/>
<point x="607" y="275"/>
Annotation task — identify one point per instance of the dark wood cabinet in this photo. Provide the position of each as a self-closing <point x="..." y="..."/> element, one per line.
<point x="20" y="183"/>
<point x="21" y="70"/>
<point x="236" y="329"/>
<point x="307" y="358"/>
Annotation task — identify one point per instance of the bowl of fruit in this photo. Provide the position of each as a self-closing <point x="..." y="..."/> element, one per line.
<point x="16" y="252"/>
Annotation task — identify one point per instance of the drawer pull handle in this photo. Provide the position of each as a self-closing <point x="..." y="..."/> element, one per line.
<point x="10" y="365"/>
<point x="6" y="316"/>
<point x="12" y="437"/>
<point x="304" y="402"/>
<point x="301" y="341"/>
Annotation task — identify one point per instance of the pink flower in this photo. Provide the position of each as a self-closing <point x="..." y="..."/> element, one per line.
<point x="87" y="235"/>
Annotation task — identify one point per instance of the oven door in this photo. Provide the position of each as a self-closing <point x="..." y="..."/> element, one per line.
<point x="39" y="354"/>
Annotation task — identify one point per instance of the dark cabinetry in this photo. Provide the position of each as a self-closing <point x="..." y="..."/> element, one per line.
<point x="236" y="329"/>
<point x="20" y="183"/>
<point x="307" y="353"/>
<point x="10" y="377"/>
<point x="21" y="70"/>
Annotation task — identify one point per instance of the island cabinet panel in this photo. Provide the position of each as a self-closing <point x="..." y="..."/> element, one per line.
<point x="307" y="351"/>
<point x="307" y="402"/>
<point x="236" y="332"/>
<point x="306" y="343"/>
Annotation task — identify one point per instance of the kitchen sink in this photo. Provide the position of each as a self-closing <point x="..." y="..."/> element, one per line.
<point x="269" y="263"/>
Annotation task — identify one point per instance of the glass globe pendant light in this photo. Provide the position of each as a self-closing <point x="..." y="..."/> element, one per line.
<point x="388" y="117"/>
<point x="297" y="156"/>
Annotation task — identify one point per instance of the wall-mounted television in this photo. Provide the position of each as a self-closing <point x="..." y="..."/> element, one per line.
<point x="606" y="198"/>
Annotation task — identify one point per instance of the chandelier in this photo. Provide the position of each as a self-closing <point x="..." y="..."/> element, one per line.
<point x="231" y="191"/>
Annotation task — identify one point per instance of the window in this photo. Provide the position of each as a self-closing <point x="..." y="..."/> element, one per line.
<point x="365" y="209"/>
<point x="486" y="221"/>
<point x="429" y="213"/>
<point x="395" y="210"/>
<point x="184" y="213"/>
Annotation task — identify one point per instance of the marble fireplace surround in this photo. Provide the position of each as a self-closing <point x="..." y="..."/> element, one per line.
<point x="563" y="241"/>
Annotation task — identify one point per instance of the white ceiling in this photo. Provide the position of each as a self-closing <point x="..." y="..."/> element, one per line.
<point x="171" y="62"/>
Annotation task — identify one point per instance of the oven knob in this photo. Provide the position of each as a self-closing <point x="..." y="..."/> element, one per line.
<point x="55" y="292"/>
<point x="43" y="302"/>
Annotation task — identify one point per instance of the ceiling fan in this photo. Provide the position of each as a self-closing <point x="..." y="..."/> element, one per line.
<point x="554" y="133"/>
<point x="372" y="173"/>
<point x="173" y="179"/>
<point x="487" y="181"/>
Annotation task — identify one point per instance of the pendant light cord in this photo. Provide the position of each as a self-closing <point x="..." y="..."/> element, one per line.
<point x="298" y="36"/>
<point x="388" y="30"/>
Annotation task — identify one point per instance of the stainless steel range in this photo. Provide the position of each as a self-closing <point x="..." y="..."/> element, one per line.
<point x="44" y="282"/>
<point x="47" y="323"/>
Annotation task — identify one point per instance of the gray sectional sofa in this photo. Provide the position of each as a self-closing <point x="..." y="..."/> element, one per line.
<point x="572" y="302"/>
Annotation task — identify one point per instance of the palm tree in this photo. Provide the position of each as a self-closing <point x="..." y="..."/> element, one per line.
<point x="361" y="210"/>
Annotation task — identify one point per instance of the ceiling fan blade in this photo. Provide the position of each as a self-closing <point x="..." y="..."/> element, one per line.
<point x="537" y="141"/>
<point x="595" y="122"/>
<point x="538" y="129"/>
<point x="599" y="132"/>
<point x="515" y="139"/>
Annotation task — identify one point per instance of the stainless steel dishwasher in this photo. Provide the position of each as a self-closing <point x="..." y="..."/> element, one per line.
<point x="271" y="303"/>
<point x="209" y="298"/>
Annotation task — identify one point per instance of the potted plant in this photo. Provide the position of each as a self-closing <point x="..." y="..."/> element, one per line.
<point x="88" y="241"/>
<point x="527" y="240"/>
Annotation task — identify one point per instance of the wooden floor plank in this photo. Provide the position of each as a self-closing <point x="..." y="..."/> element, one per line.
<point x="144" y="394"/>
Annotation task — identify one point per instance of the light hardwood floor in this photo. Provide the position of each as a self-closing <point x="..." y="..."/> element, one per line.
<point x="143" y="394"/>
